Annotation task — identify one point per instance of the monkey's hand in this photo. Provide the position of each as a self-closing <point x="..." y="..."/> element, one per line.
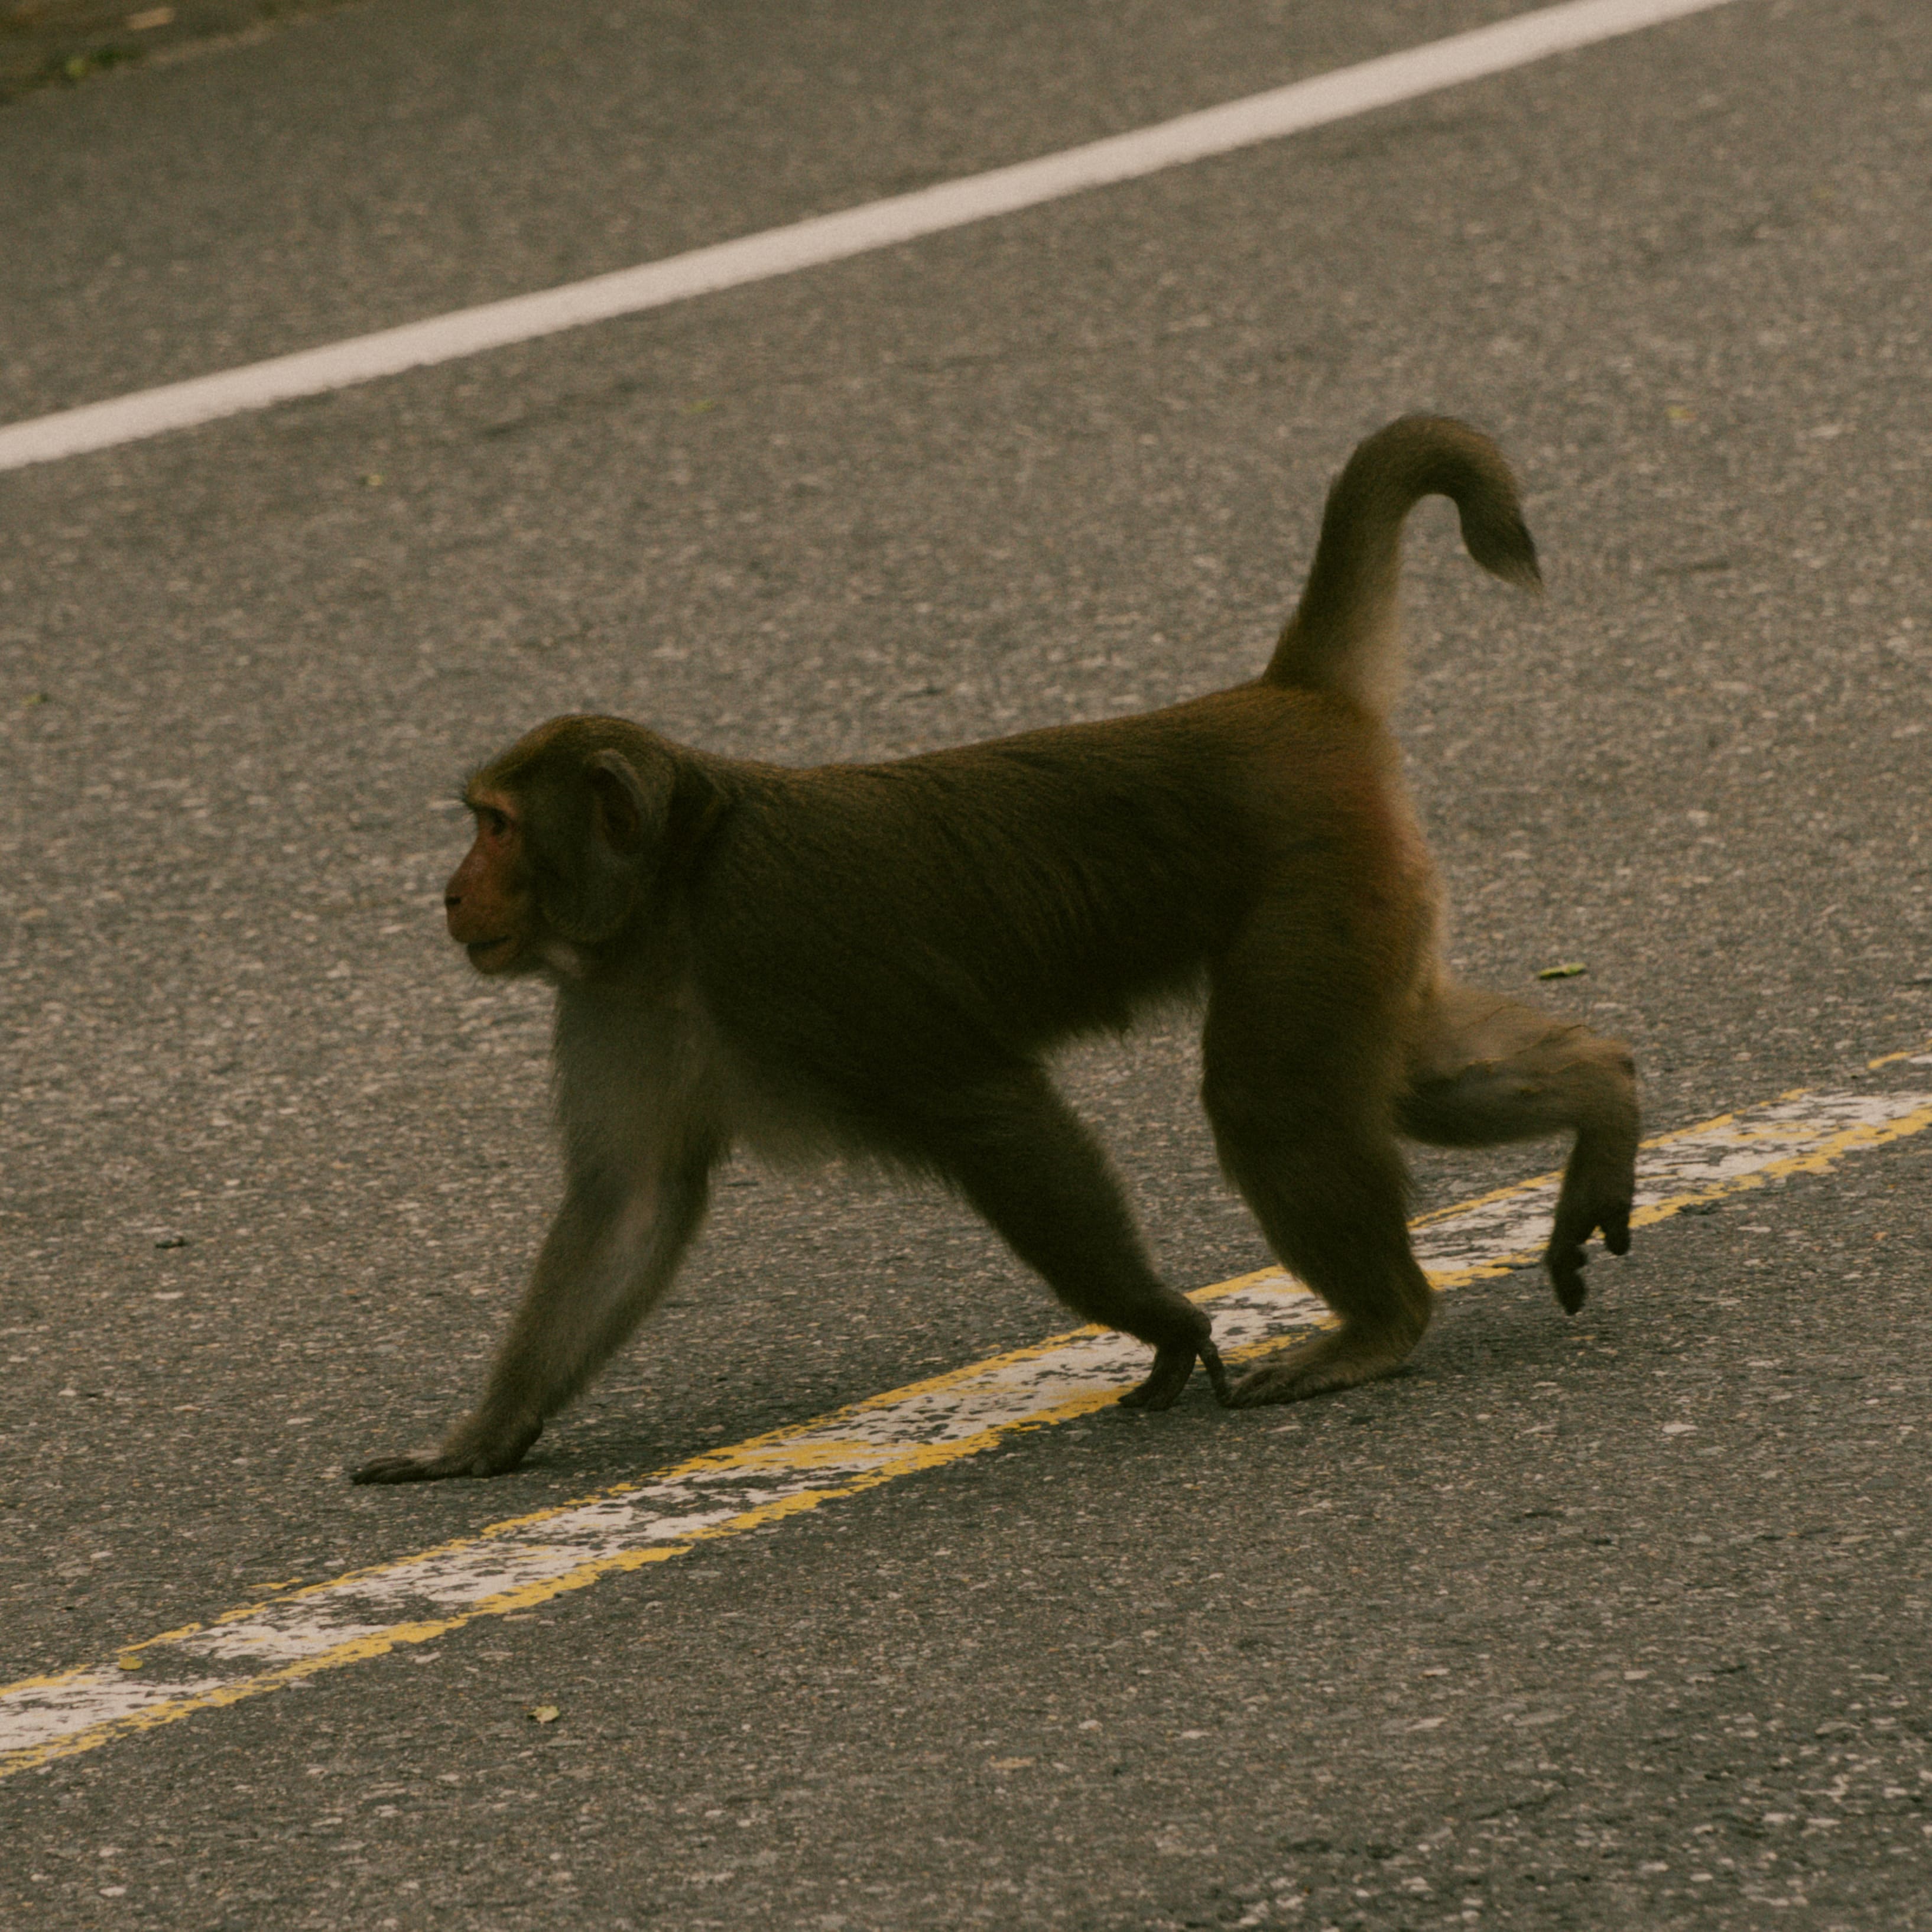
<point x="1579" y="1216"/>
<point x="1600" y="1177"/>
<point x="1169" y="1376"/>
<point x="470" y="1451"/>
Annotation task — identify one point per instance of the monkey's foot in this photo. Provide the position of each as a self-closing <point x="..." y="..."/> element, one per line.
<point x="465" y="1457"/>
<point x="1576" y="1222"/>
<point x="1168" y="1376"/>
<point x="1318" y="1366"/>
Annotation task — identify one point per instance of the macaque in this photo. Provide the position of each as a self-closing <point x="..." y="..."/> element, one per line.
<point x="876" y="959"/>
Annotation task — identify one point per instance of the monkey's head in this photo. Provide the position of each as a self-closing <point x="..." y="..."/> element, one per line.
<point x="572" y="823"/>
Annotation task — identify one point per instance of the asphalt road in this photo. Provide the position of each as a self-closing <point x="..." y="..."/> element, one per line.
<point x="272" y="1167"/>
<point x="70" y="43"/>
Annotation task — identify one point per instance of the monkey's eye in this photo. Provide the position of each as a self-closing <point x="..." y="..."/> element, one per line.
<point x="490" y="819"/>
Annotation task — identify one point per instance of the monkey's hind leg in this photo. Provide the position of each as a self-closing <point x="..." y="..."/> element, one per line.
<point x="1301" y="1126"/>
<point x="1485" y="1069"/>
<point x="1018" y="1153"/>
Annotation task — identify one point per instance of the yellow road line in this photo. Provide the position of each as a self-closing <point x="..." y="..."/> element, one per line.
<point x="523" y="1560"/>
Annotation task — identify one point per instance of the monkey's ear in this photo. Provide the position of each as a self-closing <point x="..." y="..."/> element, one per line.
<point x="608" y="850"/>
<point x="624" y="816"/>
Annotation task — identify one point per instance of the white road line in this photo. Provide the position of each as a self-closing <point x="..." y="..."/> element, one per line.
<point x="512" y="1565"/>
<point x="853" y="231"/>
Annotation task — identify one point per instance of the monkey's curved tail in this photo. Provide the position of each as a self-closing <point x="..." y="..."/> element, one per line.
<point x="1345" y="637"/>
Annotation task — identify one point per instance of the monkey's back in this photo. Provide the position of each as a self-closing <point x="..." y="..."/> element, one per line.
<point x="873" y="923"/>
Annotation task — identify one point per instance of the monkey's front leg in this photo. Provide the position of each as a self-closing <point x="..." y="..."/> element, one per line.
<point x="609" y="1256"/>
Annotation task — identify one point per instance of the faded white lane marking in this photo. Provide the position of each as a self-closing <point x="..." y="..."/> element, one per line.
<point x="853" y="231"/>
<point x="511" y="1565"/>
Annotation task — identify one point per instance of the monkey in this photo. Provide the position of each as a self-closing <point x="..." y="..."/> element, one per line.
<point x="876" y="959"/>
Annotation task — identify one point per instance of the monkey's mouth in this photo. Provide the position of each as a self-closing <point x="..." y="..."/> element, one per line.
<point x="479" y="950"/>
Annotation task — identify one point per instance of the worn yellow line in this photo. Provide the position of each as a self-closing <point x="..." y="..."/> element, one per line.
<point x="1920" y="1052"/>
<point x="785" y="1450"/>
<point x="755" y="1445"/>
<point x="360" y="1649"/>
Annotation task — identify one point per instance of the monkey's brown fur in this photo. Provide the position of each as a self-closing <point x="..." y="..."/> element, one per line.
<point x="878" y="957"/>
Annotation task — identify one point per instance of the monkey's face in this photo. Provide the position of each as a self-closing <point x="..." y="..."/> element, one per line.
<point x="489" y="902"/>
<point x="570" y="834"/>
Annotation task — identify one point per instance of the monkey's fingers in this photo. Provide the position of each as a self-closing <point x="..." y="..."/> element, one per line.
<point x="406" y="1469"/>
<point x="1165" y="1380"/>
<point x="464" y="1456"/>
<point x="430" y="1468"/>
<point x="1566" y="1267"/>
<point x="1217" y="1375"/>
<point x="1342" y="1358"/>
<point x="1172" y="1367"/>
<point x="1565" y="1259"/>
<point x="1616" y="1224"/>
